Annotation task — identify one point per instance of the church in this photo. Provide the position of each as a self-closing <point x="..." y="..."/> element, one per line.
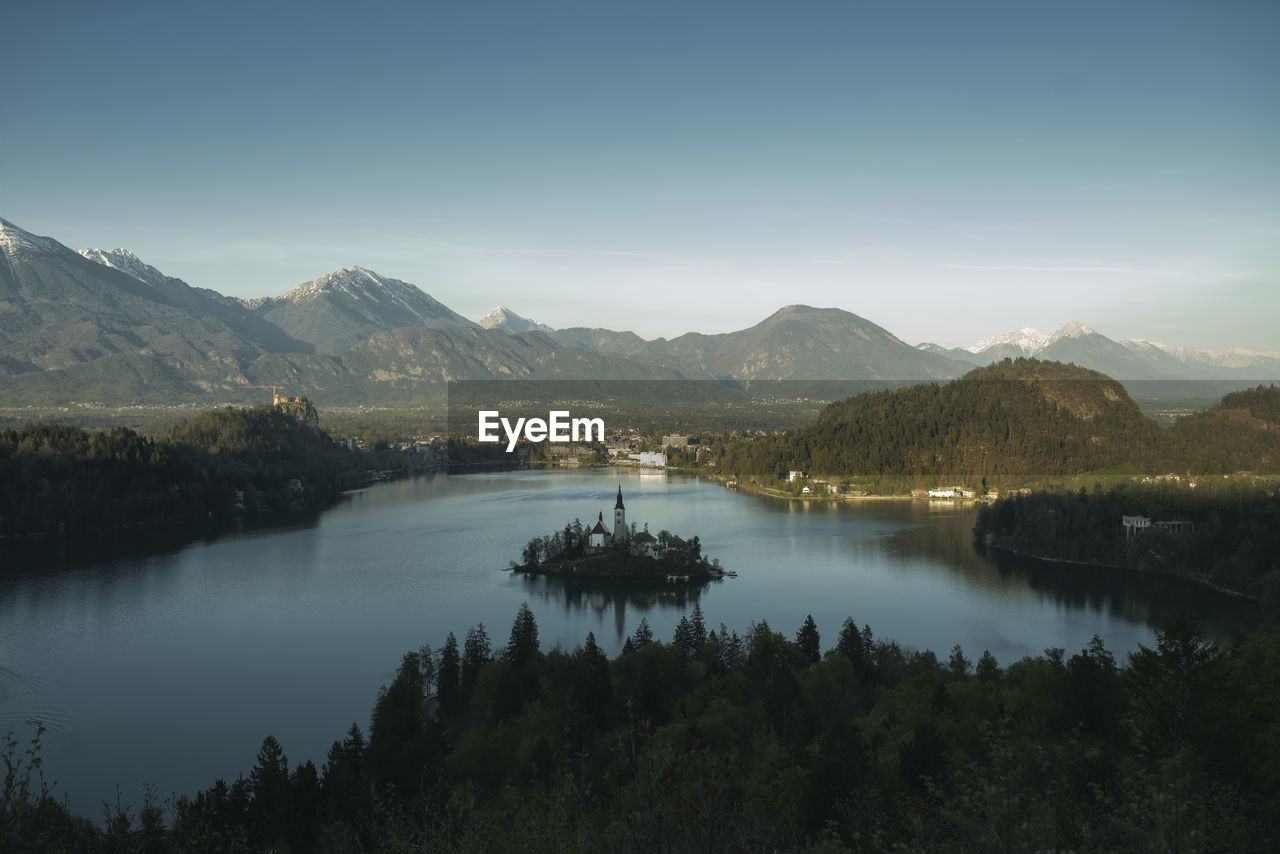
<point x="598" y="537"/>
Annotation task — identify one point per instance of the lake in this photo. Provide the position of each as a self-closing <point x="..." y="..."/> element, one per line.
<point x="169" y="669"/>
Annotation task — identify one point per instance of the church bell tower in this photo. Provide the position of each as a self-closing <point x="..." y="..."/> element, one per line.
<point x="619" y="519"/>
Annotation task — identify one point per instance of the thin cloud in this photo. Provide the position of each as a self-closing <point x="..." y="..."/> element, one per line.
<point x="1089" y="269"/>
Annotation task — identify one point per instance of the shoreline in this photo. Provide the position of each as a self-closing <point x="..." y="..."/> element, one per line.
<point x="831" y="497"/>
<point x="1194" y="579"/>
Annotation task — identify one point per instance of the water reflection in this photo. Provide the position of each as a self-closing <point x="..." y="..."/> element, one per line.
<point x="1137" y="597"/>
<point x="606" y="599"/>
<point x="941" y="536"/>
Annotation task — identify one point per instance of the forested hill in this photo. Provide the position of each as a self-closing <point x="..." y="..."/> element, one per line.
<point x="1021" y="417"/>
<point x="1261" y="403"/>
<point x="65" y="480"/>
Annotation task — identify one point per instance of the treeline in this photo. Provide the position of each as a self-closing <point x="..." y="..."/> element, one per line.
<point x="721" y="742"/>
<point x="1018" y="419"/>
<point x="1233" y="540"/>
<point x="1262" y="402"/>
<point x="61" y="480"/>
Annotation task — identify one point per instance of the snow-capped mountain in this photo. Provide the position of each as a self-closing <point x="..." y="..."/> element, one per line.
<point x="1125" y="360"/>
<point x="342" y="308"/>
<point x="1232" y="357"/>
<point x="1026" y="339"/>
<point x="508" y="321"/>
<point x="15" y="242"/>
<point x="64" y="309"/>
<point x="126" y="262"/>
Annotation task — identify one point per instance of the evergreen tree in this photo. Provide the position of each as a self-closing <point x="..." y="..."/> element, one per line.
<point x="809" y="641"/>
<point x="269" y="786"/>
<point x="699" y="627"/>
<point x="987" y="670"/>
<point x="427" y="663"/>
<point x="685" y="638"/>
<point x="733" y="651"/>
<point x="850" y="643"/>
<point x="476" y="652"/>
<point x="523" y="642"/>
<point x="448" y="674"/>
<point x="345" y="793"/>
<point x="643" y="634"/>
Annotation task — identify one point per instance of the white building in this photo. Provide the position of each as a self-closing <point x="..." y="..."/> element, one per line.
<point x="1134" y="524"/>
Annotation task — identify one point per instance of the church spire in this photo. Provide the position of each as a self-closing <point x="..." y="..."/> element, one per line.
<point x="619" y="506"/>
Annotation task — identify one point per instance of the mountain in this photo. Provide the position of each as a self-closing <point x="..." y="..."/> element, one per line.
<point x="58" y="309"/>
<point x="103" y="325"/>
<point x="201" y="302"/>
<point x="1127" y="360"/>
<point x="1018" y="343"/>
<point x="506" y="320"/>
<point x="1228" y="363"/>
<point x="341" y="309"/>
<point x="606" y="341"/>
<point x="802" y="342"/>
<point x="958" y="354"/>
<point x="1080" y="345"/>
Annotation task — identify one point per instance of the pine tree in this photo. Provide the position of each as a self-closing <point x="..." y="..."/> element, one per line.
<point x="448" y="673"/>
<point x="684" y="637"/>
<point x="732" y="651"/>
<point x="643" y="634"/>
<point x="699" y="627"/>
<point x="523" y="642"/>
<point x="988" y="670"/>
<point x="476" y="652"/>
<point x="809" y="641"/>
<point x="850" y="644"/>
<point x="269" y="779"/>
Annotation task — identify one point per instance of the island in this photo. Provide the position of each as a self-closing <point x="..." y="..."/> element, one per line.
<point x="577" y="551"/>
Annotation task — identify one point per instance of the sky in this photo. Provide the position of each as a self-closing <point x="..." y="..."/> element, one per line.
<point x="949" y="171"/>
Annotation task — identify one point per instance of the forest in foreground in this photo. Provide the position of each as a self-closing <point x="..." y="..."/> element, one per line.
<point x="765" y="741"/>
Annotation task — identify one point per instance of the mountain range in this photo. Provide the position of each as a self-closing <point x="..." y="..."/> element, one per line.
<point x="1126" y="359"/>
<point x="105" y="326"/>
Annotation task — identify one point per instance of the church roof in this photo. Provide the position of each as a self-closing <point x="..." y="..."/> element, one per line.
<point x="599" y="528"/>
<point x="644" y="537"/>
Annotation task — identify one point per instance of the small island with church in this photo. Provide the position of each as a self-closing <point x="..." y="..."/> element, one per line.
<point x="577" y="551"/>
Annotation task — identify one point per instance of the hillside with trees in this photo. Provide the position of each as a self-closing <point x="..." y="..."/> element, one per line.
<point x="1016" y="419"/>
<point x="1228" y="533"/>
<point x="717" y="741"/>
<point x="60" y="480"/>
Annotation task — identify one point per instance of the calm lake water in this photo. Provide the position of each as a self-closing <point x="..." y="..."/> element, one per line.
<point x="169" y="669"/>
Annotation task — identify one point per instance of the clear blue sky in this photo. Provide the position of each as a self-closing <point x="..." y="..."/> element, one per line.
<point x="947" y="170"/>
